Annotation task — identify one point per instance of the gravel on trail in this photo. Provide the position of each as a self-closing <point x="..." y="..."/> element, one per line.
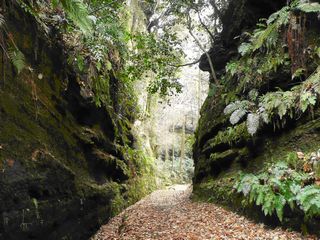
<point x="170" y="215"/>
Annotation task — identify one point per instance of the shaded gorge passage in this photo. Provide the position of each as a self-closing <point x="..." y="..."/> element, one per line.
<point x="104" y="102"/>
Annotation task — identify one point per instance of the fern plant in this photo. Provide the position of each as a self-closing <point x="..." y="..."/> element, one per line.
<point x="17" y="58"/>
<point x="29" y="9"/>
<point x="231" y="135"/>
<point x="309" y="7"/>
<point x="278" y="186"/>
<point x="240" y="109"/>
<point x="267" y="34"/>
<point x="276" y="106"/>
<point x="77" y="12"/>
<point x="309" y="200"/>
<point x="264" y="53"/>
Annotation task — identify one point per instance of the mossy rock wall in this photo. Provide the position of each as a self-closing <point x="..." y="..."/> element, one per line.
<point x="219" y="154"/>
<point x="61" y="159"/>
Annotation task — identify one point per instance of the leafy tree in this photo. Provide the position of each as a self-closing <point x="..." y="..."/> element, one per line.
<point x="100" y="29"/>
<point x="182" y="12"/>
<point x="156" y="55"/>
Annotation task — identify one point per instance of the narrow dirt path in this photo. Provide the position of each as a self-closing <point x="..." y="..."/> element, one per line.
<point x="170" y="215"/>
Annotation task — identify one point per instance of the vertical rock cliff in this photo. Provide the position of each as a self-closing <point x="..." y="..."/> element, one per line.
<point x="65" y="164"/>
<point x="222" y="150"/>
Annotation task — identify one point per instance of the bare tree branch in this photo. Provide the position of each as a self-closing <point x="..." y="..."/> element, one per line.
<point x="186" y="64"/>
<point x="205" y="26"/>
<point x="216" y="9"/>
<point x="213" y="73"/>
<point x="155" y="22"/>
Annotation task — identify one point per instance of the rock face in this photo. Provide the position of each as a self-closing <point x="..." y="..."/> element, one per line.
<point x="237" y="18"/>
<point x="219" y="156"/>
<point x="61" y="158"/>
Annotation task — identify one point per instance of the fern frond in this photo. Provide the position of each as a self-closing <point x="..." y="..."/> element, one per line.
<point x="309" y="199"/>
<point x="309" y="7"/>
<point x="253" y="123"/>
<point x="28" y="9"/>
<point x="2" y="21"/>
<point x="237" y="115"/>
<point x="78" y="13"/>
<point x="17" y="58"/>
<point x="245" y="48"/>
<point x="267" y="37"/>
<point x="231" y="107"/>
<point x="280" y="17"/>
<point x="253" y="94"/>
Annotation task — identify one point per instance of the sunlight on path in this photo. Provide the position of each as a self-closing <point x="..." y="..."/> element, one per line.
<point x="170" y="215"/>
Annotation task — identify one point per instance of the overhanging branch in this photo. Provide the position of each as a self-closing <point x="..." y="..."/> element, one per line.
<point x="186" y="64"/>
<point x="213" y="73"/>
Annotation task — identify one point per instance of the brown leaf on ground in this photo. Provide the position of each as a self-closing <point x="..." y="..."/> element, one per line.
<point x="307" y="167"/>
<point x="171" y="215"/>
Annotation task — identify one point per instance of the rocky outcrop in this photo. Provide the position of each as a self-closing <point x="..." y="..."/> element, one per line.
<point x="219" y="154"/>
<point x="62" y="160"/>
<point x="238" y="17"/>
